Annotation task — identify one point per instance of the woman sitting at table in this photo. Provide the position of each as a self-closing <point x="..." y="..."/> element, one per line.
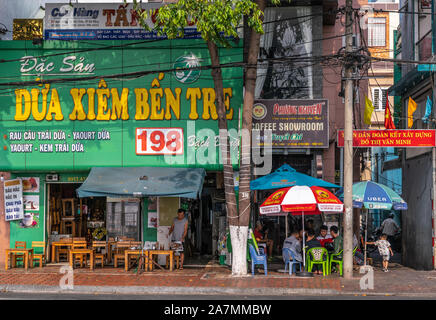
<point x="262" y="238"/>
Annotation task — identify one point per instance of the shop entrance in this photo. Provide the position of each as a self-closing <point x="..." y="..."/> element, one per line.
<point x="93" y="218"/>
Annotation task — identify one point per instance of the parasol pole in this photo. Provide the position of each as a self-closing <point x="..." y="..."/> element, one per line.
<point x="366" y="233"/>
<point x="286" y="227"/>
<point x="304" y="244"/>
<point x="304" y="273"/>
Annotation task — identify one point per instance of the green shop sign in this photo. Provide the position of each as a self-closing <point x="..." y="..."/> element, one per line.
<point x="73" y="106"/>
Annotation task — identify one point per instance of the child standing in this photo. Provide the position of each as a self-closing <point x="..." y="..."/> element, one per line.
<point x="384" y="248"/>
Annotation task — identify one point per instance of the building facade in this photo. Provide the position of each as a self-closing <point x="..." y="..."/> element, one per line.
<point x="415" y="41"/>
<point x="382" y="163"/>
<point x="72" y="106"/>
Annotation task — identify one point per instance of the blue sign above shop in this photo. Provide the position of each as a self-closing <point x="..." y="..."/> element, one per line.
<point x="106" y="21"/>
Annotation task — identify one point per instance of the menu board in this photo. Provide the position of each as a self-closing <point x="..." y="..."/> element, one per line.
<point x="13" y="196"/>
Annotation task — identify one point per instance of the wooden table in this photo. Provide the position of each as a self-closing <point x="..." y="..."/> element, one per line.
<point x="27" y="254"/>
<point x="135" y="252"/>
<point x="157" y="252"/>
<point x="72" y="252"/>
<point x="56" y="244"/>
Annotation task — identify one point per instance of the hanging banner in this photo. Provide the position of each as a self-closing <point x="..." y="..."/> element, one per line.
<point x="293" y="123"/>
<point x="13" y="196"/>
<point x="391" y="138"/>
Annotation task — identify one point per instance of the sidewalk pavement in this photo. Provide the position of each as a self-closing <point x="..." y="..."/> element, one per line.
<point x="215" y="279"/>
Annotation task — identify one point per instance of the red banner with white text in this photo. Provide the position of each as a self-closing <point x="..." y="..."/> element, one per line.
<point x="391" y="138"/>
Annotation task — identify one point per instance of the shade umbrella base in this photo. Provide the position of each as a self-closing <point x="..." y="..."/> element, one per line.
<point x="304" y="274"/>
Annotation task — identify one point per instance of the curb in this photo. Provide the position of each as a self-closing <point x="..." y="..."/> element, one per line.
<point x="198" y="291"/>
<point x="388" y="294"/>
<point x="168" y="290"/>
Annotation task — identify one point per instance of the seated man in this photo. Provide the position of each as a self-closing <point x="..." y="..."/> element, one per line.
<point x="323" y="236"/>
<point x="260" y="237"/>
<point x="311" y="242"/>
<point x="337" y="239"/>
<point x="293" y="243"/>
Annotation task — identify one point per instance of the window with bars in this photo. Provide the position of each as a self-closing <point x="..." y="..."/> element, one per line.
<point x="376" y="32"/>
<point x="379" y="98"/>
<point x="123" y="219"/>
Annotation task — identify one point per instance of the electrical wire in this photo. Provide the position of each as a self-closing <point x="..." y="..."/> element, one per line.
<point x="147" y="72"/>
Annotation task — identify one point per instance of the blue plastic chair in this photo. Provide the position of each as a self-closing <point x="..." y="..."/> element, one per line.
<point x="287" y="255"/>
<point x="256" y="259"/>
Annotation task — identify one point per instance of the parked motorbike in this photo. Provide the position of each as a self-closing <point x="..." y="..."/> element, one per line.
<point x="370" y="237"/>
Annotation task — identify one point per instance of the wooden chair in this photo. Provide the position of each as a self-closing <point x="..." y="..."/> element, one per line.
<point x="39" y="256"/>
<point x="98" y="256"/>
<point x="63" y="250"/>
<point x="123" y="238"/>
<point x="18" y="256"/>
<point x="121" y="246"/>
<point x="68" y="223"/>
<point x="134" y="244"/>
<point x="78" y="244"/>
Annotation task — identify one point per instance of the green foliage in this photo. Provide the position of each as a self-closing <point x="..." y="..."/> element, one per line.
<point x="216" y="20"/>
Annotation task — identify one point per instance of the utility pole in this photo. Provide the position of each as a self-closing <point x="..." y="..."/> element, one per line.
<point x="348" y="147"/>
<point x="433" y="153"/>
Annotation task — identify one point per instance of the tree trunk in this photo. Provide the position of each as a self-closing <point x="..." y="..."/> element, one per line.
<point x="239" y="231"/>
<point x="238" y="219"/>
<point x="224" y="144"/>
<point x="247" y="111"/>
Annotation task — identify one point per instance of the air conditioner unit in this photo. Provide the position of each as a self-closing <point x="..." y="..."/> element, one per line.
<point x="52" y="177"/>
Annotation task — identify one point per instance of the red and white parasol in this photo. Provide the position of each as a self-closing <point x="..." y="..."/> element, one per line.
<point x="301" y="200"/>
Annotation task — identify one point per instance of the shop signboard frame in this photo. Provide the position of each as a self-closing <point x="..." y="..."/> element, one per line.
<point x="102" y="21"/>
<point x="78" y="124"/>
<point x="294" y="123"/>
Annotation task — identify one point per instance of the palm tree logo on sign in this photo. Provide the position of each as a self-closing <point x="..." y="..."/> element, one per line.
<point x="181" y="68"/>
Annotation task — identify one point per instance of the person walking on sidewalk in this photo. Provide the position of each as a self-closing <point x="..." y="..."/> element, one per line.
<point x="384" y="248"/>
<point x="179" y="230"/>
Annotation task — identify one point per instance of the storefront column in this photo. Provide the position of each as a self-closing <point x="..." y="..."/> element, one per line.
<point x="4" y="225"/>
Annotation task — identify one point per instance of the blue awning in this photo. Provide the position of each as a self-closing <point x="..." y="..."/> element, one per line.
<point x="286" y="176"/>
<point x="143" y="182"/>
